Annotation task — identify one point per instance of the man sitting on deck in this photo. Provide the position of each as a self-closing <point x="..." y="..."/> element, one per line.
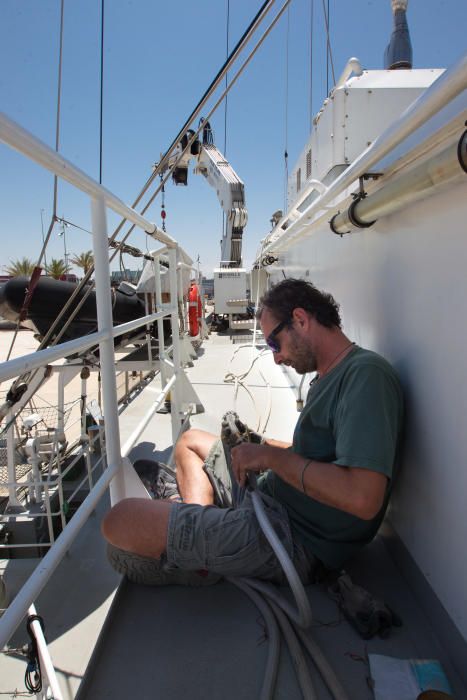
<point x="325" y="494"/>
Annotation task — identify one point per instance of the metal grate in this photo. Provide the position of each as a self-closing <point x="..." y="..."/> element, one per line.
<point x="308" y="164"/>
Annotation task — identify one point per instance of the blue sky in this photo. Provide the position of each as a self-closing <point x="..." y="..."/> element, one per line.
<point x="159" y="58"/>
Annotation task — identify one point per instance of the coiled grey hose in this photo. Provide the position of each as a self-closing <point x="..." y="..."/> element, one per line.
<point x="292" y="620"/>
<point x="301" y="617"/>
<point x="296" y="653"/>
<point x="272" y="663"/>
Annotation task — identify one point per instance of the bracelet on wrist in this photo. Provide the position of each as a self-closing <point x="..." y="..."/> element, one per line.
<point x="305" y="467"/>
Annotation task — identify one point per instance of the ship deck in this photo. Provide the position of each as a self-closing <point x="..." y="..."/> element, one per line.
<point x="112" y="639"/>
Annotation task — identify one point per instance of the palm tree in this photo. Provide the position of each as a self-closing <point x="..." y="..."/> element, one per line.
<point x="57" y="268"/>
<point x="19" y="268"/>
<point x="83" y="260"/>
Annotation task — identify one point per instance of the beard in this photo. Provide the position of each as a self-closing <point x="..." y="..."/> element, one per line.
<point x="302" y="357"/>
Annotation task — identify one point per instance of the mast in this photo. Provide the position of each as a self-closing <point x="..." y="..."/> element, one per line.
<point x="398" y="53"/>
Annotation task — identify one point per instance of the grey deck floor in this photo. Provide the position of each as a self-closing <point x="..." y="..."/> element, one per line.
<point x="209" y="643"/>
<point x="175" y="642"/>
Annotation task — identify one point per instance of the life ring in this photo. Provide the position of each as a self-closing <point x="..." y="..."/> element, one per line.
<point x="194" y="309"/>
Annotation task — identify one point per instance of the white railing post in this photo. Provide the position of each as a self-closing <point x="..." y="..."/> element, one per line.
<point x="160" y="321"/>
<point x="49" y="681"/>
<point x="177" y="418"/>
<point x="11" y="461"/>
<point x="106" y="346"/>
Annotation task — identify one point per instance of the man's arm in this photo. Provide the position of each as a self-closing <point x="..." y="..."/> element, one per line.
<point x="355" y="490"/>
<point x="277" y="443"/>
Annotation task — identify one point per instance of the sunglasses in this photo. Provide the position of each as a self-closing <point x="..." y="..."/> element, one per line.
<point x="272" y="340"/>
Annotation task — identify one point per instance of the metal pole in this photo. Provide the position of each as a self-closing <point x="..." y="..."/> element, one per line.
<point x="160" y="321"/>
<point x="417" y="183"/>
<point x="148" y="331"/>
<point x="10" y="446"/>
<point x="129" y="444"/>
<point x="23" y="141"/>
<point x="43" y="238"/>
<point x="14" y="614"/>
<point x="44" y="657"/>
<point x="106" y="346"/>
<point x="177" y="417"/>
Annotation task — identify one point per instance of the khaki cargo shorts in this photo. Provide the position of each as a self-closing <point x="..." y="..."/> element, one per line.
<point x="228" y="540"/>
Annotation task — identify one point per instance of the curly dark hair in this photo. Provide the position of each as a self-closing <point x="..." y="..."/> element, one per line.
<point x="292" y="293"/>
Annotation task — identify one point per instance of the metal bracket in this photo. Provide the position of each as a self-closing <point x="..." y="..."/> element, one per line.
<point x="462" y="151"/>
<point x="333" y="229"/>
<point x="361" y="194"/>
<point x="188" y="395"/>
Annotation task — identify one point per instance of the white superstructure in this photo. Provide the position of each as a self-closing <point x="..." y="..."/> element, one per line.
<point x="401" y="281"/>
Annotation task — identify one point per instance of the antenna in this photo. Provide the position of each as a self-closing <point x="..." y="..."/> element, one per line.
<point x="399" y="50"/>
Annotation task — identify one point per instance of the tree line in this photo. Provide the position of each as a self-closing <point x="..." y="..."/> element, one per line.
<point x="56" y="268"/>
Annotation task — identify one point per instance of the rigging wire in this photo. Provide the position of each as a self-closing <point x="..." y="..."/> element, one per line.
<point x="226" y="76"/>
<point x="329" y="49"/>
<point x="286" y="119"/>
<point x="213" y="109"/>
<point x="312" y="7"/>
<point x="37" y="270"/>
<point x="246" y="36"/>
<point x="163" y="162"/>
<point x="102" y="93"/>
<point x="227" y="32"/>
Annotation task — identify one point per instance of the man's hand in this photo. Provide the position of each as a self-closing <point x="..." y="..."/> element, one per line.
<point x="248" y="457"/>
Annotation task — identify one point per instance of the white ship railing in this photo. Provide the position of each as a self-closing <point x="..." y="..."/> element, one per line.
<point x="450" y="84"/>
<point x="113" y="476"/>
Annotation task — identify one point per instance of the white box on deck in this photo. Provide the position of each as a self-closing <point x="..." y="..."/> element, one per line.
<point x="230" y="290"/>
<point x="352" y="118"/>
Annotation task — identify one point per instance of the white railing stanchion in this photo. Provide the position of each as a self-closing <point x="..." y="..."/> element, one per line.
<point x="160" y="321"/>
<point x="49" y="681"/>
<point x="28" y="593"/>
<point x="136" y="434"/>
<point x="10" y="446"/>
<point x="177" y="418"/>
<point x="106" y="346"/>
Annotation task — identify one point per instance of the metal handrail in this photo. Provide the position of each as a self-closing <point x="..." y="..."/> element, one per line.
<point x="23" y="141"/>
<point x="112" y="477"/>
<point x="26" y="363"/>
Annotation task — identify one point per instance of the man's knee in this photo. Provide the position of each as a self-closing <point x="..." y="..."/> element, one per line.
<point x="138" y="525"/>
<point x="197" y="441"/>
<point x="113" y="521"/>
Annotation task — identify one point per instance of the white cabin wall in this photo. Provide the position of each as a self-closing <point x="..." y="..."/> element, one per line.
<point x="402" y="288"/>
<point x="352" y="117"/>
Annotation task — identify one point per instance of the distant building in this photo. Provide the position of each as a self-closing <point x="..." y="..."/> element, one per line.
<point x="208" y="287"/>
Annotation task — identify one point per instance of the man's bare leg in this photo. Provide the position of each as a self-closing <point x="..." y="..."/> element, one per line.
<point x="138" y="525"/>
<point x="190" y="453"/>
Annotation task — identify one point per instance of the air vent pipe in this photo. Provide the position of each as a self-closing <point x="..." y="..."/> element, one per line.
<point x="418" y="183"/>
<point x="399" y="50"/>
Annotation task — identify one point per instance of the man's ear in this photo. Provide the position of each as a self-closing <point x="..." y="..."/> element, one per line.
<point x="301" y="317"/>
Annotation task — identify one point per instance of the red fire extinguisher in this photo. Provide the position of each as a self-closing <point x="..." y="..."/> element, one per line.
<point x="194" y="309"/>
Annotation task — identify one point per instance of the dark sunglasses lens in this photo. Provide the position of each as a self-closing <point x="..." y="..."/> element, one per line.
<point x="273" y="344"/>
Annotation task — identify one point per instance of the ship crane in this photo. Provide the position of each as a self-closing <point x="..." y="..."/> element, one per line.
<point x="231" y="292"/>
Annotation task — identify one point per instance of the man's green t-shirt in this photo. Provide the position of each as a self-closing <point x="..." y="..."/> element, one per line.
<point x="352" y="418"/>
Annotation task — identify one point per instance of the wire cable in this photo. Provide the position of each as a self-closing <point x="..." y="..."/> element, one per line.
<point x="312" y="7"/>
<point x="286" y="107"/>
<point x="329" y="48"/>
<point x="101" y="92"/>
